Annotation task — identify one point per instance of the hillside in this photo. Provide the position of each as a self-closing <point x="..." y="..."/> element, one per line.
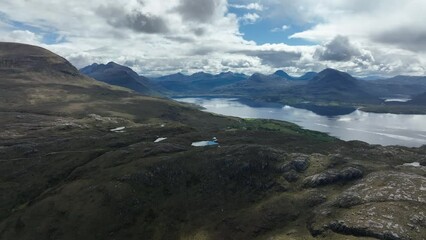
<point x="333" y="85"/>
<point x="419" y="100"/>
<point x="258" y="85"/>
<point x="118" y="75"/>
<point x="78" y="160"/>
<point x="397" y="86"/>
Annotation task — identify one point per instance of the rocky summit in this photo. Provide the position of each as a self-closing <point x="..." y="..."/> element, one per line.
<point x="79" y="159"/>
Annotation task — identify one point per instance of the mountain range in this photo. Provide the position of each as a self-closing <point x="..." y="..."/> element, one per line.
<point x="197" y="83"/>
<point x="327" y="87"/>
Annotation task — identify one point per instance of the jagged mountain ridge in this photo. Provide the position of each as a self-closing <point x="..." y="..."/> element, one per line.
<point x="327" y="86"/>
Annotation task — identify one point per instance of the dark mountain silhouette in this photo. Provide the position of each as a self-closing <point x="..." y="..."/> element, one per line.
<point x="115" y="74"/>
<point x="333" y="79"/>
<point x="371" y="78"/>
<point x="283" y="74"/>
<point x="403" y="80"/>
<point x="333" y="85"/>
<point x="258" y="85"/>
<point x="407" y="86"/>
<point x="172" y="77"/>
<point x="197" y="83"/>
<point x="305" y="77"/>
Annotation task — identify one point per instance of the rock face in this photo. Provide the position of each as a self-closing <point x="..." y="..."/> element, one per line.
<point x="333" y="176"/>
<point x="299" y="164"/>
<point x="291" y="170"/>
<point x="384" y="205"/>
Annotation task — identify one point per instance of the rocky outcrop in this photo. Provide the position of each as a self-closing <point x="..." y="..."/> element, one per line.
<point x="385" y="186"/>
<point x="291" y="170"/>
<point x="384" y="205"/>
<point x="299" y="163"/>
<point x="333" y="176"/>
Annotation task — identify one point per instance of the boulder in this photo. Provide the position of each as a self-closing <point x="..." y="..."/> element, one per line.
<point x="333" y="176"/>
<point x="291" y="176"/>
<point x="299" y="164"/>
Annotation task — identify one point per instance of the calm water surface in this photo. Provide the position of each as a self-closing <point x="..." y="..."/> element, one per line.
<point x="374" y="128"/>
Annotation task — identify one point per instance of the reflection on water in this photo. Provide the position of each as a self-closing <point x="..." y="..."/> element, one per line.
<point x="374" y="128"/>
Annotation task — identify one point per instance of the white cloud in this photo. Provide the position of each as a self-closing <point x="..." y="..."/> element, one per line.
<point x="23" y="36"/>
<point x="250" y="18"/>
<point x="155" y="37"/>
<point x="250" y="6"/>
<point x="392" y="31"/>
<point x="283" y="28"/>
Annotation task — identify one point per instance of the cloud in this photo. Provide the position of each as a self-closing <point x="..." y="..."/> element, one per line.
<point x="339" y="49"/>
<point x="134" y="20"/>
<point x="408" y="37"/>
<point x="250" y="6"/>
<point x="383" y="37"/>
<point x="249" y="18"/>
<point x="283" y="28"/>
<point x="240" y="63"/>
<point x="278" y="59"/>
<point x="201" y="10"/>
<point x="23" y="36"/>
<point x="274" y="56"/>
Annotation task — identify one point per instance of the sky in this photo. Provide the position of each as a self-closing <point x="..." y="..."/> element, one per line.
<point x="362" y="37"/>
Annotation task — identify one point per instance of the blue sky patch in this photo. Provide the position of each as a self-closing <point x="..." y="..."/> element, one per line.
<point x="49" y="35"/>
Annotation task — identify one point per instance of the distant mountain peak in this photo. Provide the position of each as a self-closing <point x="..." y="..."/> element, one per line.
<point x="114" y="64"/>
<point x="330" y="70"/>
<point x="334" y="79"/>
<point x="283" y="74"/>
<point x="201" y="74"/>
<point x="334" y="74"/>
<point x="119" y="75"/>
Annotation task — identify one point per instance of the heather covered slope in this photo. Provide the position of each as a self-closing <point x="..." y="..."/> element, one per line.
<point x="65" y="175"/>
